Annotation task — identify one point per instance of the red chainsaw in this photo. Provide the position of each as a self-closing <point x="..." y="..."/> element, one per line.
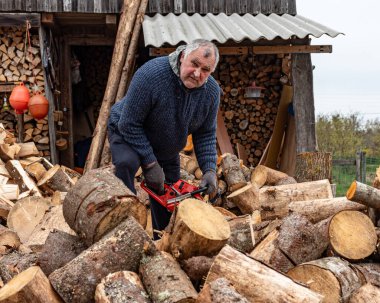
<point x="175" y="193"/>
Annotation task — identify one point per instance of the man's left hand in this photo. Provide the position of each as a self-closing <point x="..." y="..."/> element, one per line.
<point x="209" y="179"/>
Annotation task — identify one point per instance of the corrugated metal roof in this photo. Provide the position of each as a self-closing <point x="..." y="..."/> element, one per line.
<point x="173" y="29"/>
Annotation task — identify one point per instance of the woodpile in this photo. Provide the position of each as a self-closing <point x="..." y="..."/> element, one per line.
<point x="295" y="242"/>
<point x="21" y="62"/>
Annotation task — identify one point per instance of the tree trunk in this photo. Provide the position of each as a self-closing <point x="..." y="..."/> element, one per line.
<point x="59" y="249"/>
<point x="121" y="287"/>
<point x="332" y="277"/>
<point x="30" y="285"/>
<point x="198" y="229"/>
<point x="275" y="199"/>
<point x="368" y="293"/>
<point x="161" y="274"/>
<point x="313" y="166"/>
<point x="246" y="198"/>
<point x="220" y="290"/>
<point x="263" y="175"/>
<point x="257" y="282"/>
<point x="55" y="179"/>
<point x="120" y="249"/>
<point x="98" y="202"/>
<point x="127" y="20"/>
<point x="320" y="209"/>
<point x="364" y="194"/>
<point x="352" y="235"/>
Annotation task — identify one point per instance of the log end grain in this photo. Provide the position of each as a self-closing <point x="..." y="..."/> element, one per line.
<point x="351" y="191"/>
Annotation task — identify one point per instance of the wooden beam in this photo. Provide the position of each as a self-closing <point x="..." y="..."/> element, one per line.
<point x="292" y="49"/>
<point x="223" y="51"/>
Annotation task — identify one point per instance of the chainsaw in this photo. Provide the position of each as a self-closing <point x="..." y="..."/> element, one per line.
<point x="175" y="193"/>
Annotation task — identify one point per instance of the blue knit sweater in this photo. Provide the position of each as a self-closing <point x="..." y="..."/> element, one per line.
<point x="159" y="112"/>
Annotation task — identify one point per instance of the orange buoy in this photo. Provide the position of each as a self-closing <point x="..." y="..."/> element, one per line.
<point x="19" y="98"/>
<point x="38" y="106"/>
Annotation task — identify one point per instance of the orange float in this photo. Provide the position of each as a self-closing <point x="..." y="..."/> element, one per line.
<point x="19" y="98"/>
<point x="38" y="106"/>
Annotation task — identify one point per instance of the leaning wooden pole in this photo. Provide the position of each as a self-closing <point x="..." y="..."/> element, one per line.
<point x="123" y="38"/>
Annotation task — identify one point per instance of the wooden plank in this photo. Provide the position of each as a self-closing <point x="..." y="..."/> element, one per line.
<point x="222" y="137"/>
<point x="15" y="19"/>
<point x="223" y="51"/>
<point x="6" y="88"/>
<point x="292" y="49"/>
<point x="303" y="103"/>
<point x="241" y="153"/>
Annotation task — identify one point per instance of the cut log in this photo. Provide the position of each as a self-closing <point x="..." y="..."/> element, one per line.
<point x="14" y="263"/>
<point x="246" y="198"/>
<point x="27" y="149"/>
<point x="59" y="249"/>
<point x="53" y="219"/>
<point x="257" y="282"/>
<point x="232" y="172"/>
<point x="220" y="290"/>
<point x="320" y="209"/>
<point x="58" y="197"/>
<point x="121" y="287"/>
<point x="332" y="277"/>
<point x="364" y="194"/>
<point x="5" y="207"/>
<point x="197" y="268"/>
<point x="313" y="166"/>
<point x="98" y="202"/>
<point x="242" y="235"/>
<point x="120" y="249"/>
<point x="370" y="272"/>
<point x="198" y="229"/>
<point x="26" y="214"/>
<point x="275" y="199"/>
<point x="36" y="170"/>
<point x="161" y="274"/>
<point x="55" y="179"/>
<point x="9" y="240"/>
<point x="352" y="235"/>
<point x="25" y="183"/>
<point x="368" y="293"/>
<point x="29" y="286"/>
<point x="263" y="175"/>
<point x="9" y="191"/>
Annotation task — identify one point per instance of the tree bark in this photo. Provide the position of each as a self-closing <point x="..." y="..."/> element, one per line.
<point x="30" y="285"/>
<point x="197" y="268"/>
<point x="368" y="293"/>
<point x="364" y="194"/>
<point x="370" y="272"/>
<point x="98" y="202"/>
<point x="121" y="287"/>
<point x="165" y="281"/>
<point x="232" y="172"/>
<point x="246" y="198"/>
<point x="332" y="277"/>
<point x="257" y="282"/>
<point x="55" y="179"/>
<point x="120" y="249"/>
<point x="313" y="166"/>
<point x="220" y="290"/>
<point x="14" y="263"/>
<point x="242" y="234"/>
<point x="127" y="19"/>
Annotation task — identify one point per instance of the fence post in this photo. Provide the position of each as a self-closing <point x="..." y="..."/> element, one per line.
<point x="358" y="168"/>
<point x="364" y="167"/>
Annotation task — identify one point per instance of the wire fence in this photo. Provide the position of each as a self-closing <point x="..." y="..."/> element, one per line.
<point x="346" y="170"/>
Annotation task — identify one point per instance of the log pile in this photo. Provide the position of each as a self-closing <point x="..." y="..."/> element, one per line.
<point x="278" y="242"/>
<point x="21" y="62"/>
<point x="250" y="122"/>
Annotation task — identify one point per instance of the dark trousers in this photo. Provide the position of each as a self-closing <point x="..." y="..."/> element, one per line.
<point x="127" y="162"/>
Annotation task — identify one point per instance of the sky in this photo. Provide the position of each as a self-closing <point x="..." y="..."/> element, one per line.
<point x="347" y="80"/>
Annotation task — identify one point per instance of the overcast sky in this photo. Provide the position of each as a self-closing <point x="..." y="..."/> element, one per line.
<point x="347" y="80"/>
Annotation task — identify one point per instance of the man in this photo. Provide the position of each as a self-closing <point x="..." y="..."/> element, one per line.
<point x="168" y="98"/>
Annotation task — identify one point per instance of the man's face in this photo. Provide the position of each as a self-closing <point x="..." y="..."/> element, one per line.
<point x="196" y="68"/>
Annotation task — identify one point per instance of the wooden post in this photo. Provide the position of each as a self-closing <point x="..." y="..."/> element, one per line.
<point x="123" y="37"/>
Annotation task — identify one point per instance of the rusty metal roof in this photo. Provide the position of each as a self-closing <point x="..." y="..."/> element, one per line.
<point x="173" y="29"/>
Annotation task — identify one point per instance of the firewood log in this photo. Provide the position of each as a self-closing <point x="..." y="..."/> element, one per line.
<point x="162" y="274"/>
<point x="55" y="179"/>
<point x="246" y="198"/>
<point x="26" y="214"/>
<point x="5" y="207"/>
<point x="121" y="287"/>
<point x="275" y="199"/>
<point x="30" y="285"/>
<point x="98" y="202"/>
<point x="352" y="235"/>
<point x="27" y="150"/>
<point x="367" y="293"/>
<point x="14" y="263"/>
<point x="9" y="240"/>
<point x="257" y="282"/>
<point x="263" y="175"/>
<point x="332" y="277"/>
<point x="36" y="170"/>
<point x="232" y="172"/>
<point x="120" y="249"/>
<point x="196" y="229"/>
<point x="364" y="194"/>
<point x="197" y="267"/>
<point x="59" y="249"/>
<point x="10" y="191"/>
<point x="242" y="234"/>
<point x="220" y="290"/>
<point x="370" y="272"/>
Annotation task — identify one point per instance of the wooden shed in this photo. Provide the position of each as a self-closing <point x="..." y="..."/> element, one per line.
<point x="265" y="42"/>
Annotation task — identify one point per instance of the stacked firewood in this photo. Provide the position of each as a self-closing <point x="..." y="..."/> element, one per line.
<point x="21" y="62"/>
<point x="250" y="121"/>
<point x="267" y="239"/>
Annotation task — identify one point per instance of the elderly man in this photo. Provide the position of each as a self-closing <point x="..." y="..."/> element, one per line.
<point x="168" y="98"/>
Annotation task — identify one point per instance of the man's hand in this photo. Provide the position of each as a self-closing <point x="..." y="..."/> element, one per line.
<point x="155" y="177"/>
<point x="209" y="180"/>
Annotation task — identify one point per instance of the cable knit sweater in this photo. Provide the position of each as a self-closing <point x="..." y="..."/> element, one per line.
<point x="159" y="112"/>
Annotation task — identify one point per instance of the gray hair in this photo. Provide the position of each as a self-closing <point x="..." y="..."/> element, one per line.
<point x="207" y="53"/>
